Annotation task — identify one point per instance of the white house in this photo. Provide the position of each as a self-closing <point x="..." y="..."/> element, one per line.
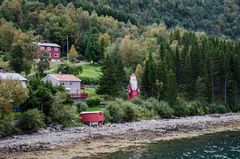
<point x="14" y="76"/>
<point x="70" y="82"/>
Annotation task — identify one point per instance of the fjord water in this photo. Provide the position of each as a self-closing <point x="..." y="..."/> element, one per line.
<point x="220" y="145"/>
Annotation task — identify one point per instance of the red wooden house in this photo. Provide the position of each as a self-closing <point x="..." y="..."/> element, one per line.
<point x="52" y="48"/>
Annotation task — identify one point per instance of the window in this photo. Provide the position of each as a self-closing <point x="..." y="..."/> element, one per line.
<point x="55" y="49"/>
<point x="56" y="55"/>
<point x="62" y="83"/>
<point x="49" y="48"/>
<point x="42" y="48"/>
<point x="70" y="83"/>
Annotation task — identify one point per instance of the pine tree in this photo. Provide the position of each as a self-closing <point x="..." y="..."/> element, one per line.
<point x="108" y="81"/>
<point x="171" y="87"/>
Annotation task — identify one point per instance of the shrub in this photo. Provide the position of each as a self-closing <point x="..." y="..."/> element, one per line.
<point x="180" y="108"/>
<point x="69" y="69"/>
<point x="196" y="108"/>
<point x="93" y="101"/>
<point x="148" y="105"/>
<point x="146" y="113"/>
<point x="61" y="113"/>
<point x="137" y="101"/>
<point x="115" y="111"/>
<point x="64" y="115"/>
<point x="217" y="108"/>
<point x="81" y="107"/>
<point x="31" y="120"/>
<point x="130" y="111"/>
<point x="153" y="100"/>
<point x="107" y="116"/>
<point x="147" y="109"/>
<point x="164" y="110"/>
<point x="7" y="128"/>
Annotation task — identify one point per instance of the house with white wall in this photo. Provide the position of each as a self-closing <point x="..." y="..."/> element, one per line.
<point x="70" y="82"/>
<point x="14" y="76"/>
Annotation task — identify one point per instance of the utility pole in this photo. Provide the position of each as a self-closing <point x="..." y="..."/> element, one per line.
<point x="67" y="50"/>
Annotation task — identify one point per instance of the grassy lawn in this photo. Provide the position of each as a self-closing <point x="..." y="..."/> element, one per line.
<point x="96" y="108"/>
<point x="53" y="67"/>
<point x="91" y="71"/>
<point x="91" y="91"/>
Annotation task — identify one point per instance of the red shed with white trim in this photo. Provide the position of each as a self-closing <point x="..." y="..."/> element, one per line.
<point x="91" y="117"/>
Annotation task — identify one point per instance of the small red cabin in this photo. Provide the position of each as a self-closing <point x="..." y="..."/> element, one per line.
<point x="91" y="117"/>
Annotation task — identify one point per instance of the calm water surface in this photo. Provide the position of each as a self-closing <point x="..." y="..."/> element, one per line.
<point x="221" y="145"/>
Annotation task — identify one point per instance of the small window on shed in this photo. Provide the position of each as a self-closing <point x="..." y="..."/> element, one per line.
<point x="49" y="48"/>
<point x="55" y="49"/>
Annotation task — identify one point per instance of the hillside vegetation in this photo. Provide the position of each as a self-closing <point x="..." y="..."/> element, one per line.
<point x="215" y="17"/>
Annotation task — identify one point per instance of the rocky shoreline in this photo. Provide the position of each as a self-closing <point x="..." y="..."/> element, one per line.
<point x="88" y="141"/>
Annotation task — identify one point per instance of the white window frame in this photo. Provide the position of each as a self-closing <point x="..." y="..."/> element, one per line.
<point x="42" y="48"/>
<point x="49" y="48"/>
<point x="56" y="49"/>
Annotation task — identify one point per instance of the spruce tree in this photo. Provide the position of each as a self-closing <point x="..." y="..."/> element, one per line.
<point x="201" y="88"/>
<point x="43" y="64"/>
<point x="149" y="77"/>
<point x="108" y="81"/>
<point x="16" y="58"/>
<point x="171" y="87"/>
<point x="94" y="52"/>
<point x="120" y="75"/>
<point x="188" y="76"/>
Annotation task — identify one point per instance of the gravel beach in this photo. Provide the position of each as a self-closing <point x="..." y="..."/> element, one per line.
<point x="118" y="135"/>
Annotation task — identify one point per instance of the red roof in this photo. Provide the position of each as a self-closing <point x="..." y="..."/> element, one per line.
<point x="65" y="77"/>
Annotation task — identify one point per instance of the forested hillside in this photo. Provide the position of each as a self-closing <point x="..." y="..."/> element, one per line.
<point x="214" y="17"/>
